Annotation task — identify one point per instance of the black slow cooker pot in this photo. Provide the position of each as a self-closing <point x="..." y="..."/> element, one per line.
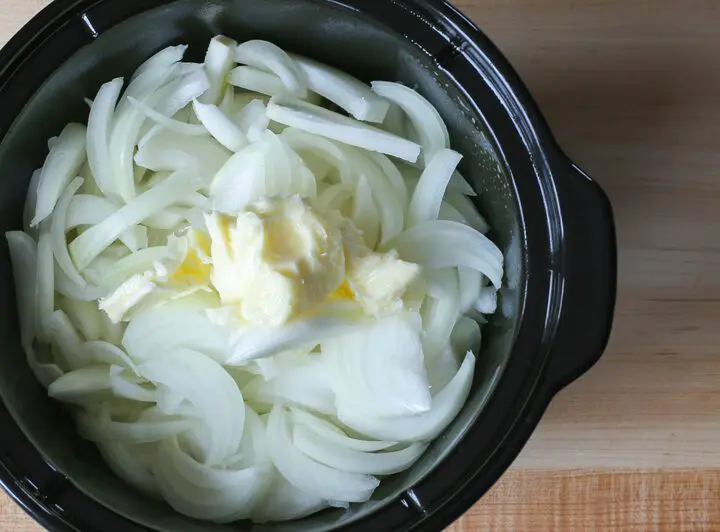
<point x="553" y="223"/>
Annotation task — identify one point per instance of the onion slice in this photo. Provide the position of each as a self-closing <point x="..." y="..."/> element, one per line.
<point x="269" y="57"/>
<point x="220" y="126"/>
<point x="343" y="90"/>
<point x="443" y="244"/>
<point x="320" y="121"/>
<point x="344" y="459"/>
<point x="424" y="427"/>
<point x="219" y="59"/>
<point x="98" y="133"/>
<point x="308" y="475"/>
<point x="426" y="120"/>
<point x="93" y="241"/>
<point x="61" y="165"/>
<point x="430" y="190"/>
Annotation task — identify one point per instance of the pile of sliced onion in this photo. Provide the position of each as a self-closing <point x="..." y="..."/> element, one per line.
<point x="229" y="422"/>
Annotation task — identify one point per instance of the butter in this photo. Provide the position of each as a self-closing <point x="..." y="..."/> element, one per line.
<point x="275" y="260"/>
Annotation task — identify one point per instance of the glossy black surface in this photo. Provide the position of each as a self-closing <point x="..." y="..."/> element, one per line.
<point x="554" y="224"/>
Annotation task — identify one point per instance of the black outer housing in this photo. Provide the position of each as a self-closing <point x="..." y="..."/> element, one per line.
<point x="569" y="285"/>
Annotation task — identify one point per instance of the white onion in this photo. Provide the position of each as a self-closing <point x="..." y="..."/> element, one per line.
<point x="332" y="321"/>
<point x="61" y="165"/>
<point x="422" y="427"/>
<point x="98" y="132"/>
<point x="320" y="121"/>
<point x="267" y="56"/>
<point x="333" y="455"/>
<point x="426" y="120"/>
<point x="309" y="475"/>
<point x="216" y="397"/>
<point x="218" y="60"/>
<point x="428" y="195"/>
<point x="220" y="126"/>
<point x="343" y="90"/>
<point x="93" y="241"/>
<point x="256" y="80"/>
<point x="169" y="151"/>
<point x="379" y="370"/>
<point x="333" y="434"/>
<point x="442" y="244"/>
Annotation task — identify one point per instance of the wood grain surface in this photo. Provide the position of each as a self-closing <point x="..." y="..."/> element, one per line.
<point x="631" y="89"/>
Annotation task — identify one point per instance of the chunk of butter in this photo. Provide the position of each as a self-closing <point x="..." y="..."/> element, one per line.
<point x="275" y="260"/>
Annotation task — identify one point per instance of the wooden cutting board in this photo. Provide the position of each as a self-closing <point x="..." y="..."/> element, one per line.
<point x="632" y="90"/>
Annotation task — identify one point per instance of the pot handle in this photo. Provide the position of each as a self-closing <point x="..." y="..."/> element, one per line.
<point x="590" y="276"/>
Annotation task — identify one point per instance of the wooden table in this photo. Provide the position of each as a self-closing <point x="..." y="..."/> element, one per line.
<point x="632" y="90"/>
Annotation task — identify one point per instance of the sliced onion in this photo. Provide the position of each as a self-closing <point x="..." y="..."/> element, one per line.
<point x="241" y="181"/>
<point x="267" y="56"/>
<point x="62" y="333"/>
<point x="173" y="98"/>
<point x="441" y="311"/>
<point x="471" y="283"/>
<point x="98" y="133"/>
<point x="93" y="241"/>
<point x="128" y="121"/>
<point x="215" y="396"/>
<point x="429" y="193"/>
<point x="424" y="427"/>
<point x="379" y="370"/>
<point x="219" y="59"/>
<point x="393" y="176"/>
<point x="332" y="434"/>
<point x="466" y="336"/>
<point x="75" y="386"/>
<point x="467" y="209"/>
<point x="365" y="213"/>
<point x="45" y="372"/>
<point x="85" y="209"/>
<point x="253" y="120"/>
<point x="68" y="288"/>
<point x="443" y="244"/>
<point x="57" y="231"/>
<point x="170" y="151"/>
<point x="203" y="492"/>
<point x="126" y="462"/>
<point x="344" y="459"/>
<point x="388" y="204"/>
<point x="256" y="80"/>
<point x="155" y="330"/>
<point x="330" y="321"/>
<point x="61" y="165"/>
<point x="220" y="126"/>
<point x="308" y="475"/>
<point x="325" y="149"/>
<point x="101" y="428"/>
<point x="104" y="352"/>
<point x="426" y="120"/>
<point x="285" y="502"/>
<point x="320" y="121"/>
<point x="85" y="316"/>
<point x="487" y="302"/>
<point x="24" y="258"/>
<point x="343" y="90"/>
<point x="167" y="122"/>
<point x="305" y="385"/>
